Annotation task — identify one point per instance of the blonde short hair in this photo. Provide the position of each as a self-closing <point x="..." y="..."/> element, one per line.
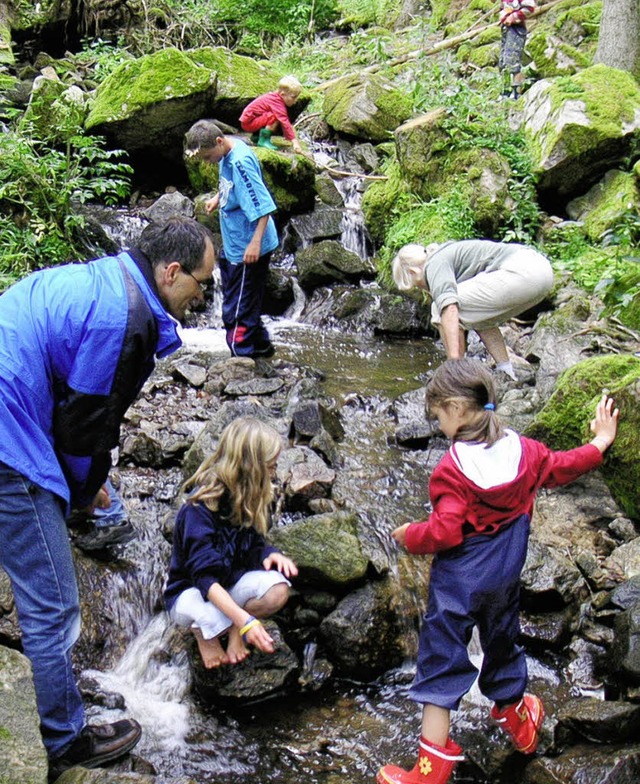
<point x="290" y="85"/>
<point x="409" y="256"/>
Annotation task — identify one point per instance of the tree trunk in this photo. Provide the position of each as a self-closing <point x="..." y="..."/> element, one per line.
<point x="619" y="39"/>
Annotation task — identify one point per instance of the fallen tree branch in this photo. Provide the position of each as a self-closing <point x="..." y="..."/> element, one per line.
<point x="441" y="46"/>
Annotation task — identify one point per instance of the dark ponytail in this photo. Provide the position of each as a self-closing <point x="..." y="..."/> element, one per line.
<point x="467" y="381"/>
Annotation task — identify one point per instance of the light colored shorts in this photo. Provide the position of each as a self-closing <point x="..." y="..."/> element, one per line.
<point x="192" y="610"/>
<point x="491" y="298"/>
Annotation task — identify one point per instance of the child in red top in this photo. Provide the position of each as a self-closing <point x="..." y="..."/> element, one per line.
<point x="482" y="493"/>
<point x="268" y="113"/>
<point x="512" y="20"/>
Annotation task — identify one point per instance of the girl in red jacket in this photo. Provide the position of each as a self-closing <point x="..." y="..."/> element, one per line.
<point x="482" y="493"/>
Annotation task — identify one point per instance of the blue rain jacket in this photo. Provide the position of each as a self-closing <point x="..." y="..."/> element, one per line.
<point x="77" y="343"/>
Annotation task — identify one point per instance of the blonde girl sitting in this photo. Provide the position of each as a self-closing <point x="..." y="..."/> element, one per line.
<point x="223" y="576"/>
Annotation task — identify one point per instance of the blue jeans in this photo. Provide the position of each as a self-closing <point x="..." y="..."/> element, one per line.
<point x="115" y="514"/>
<point x="35" y="553"/>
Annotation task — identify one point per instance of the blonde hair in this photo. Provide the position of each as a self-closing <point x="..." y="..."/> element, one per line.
<point x="241" y="468"/>
<point x="467" y="381"/>
<point x="408" y="257"/>
<point x="290" y="85"/>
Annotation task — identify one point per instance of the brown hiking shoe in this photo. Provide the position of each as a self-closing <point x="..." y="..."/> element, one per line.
<point x="97" y="744"/>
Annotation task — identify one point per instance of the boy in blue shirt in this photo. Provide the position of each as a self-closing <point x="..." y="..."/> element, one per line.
<point x="249" y="235"/>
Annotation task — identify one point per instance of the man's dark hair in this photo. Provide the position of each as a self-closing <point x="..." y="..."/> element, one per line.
<point x="201" y="136"/>
<point x="179" y="239"/>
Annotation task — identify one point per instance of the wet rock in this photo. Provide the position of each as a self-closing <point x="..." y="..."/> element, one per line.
<point x="168" y="206"/>
<point x="325" y="548"/>
<point x="309" y="418"/>
<point x="93" y="693"/>
<point x="279" y="292"/>
<point x="327" y="190"/>
<point x="365" y="156"/>
<point x="551" y="580"/>
<point x="625" y="652"/>
<point x="189" y="372"/>
<point x="414" y="430"/>
<point x="258" y="677"/>
<point x="109" y="776"/>
<point x="253" y="386"/>
<point x="598" y="721"/>
<point x="625" y="560"/>
<point x="329" y="262"/>
<point x="627" y="594"/>
<point x="323" y="223"/>
<point x="143" y="450"/>
<point x="305" y="476"/>
<point x="362" y="617"/>
<point x="606" y="765"/>
<point x="23" y="759"/>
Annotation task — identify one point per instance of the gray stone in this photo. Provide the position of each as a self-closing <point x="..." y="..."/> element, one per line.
<point x="23" y="759"/>
<point x="168" y="206"/>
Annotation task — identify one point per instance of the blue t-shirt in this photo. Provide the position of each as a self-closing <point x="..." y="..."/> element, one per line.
<point x="244" y="199"/>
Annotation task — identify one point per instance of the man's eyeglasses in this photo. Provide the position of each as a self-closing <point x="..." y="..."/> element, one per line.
<point x="202" y="283"/>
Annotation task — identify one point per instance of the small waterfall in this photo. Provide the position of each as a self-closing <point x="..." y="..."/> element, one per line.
<point x="354" y="232"/>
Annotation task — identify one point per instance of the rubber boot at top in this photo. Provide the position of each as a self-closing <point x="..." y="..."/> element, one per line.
<point x="265" y="139"/>
<point x="434" y="766"/>
<point x="521" y="721"/>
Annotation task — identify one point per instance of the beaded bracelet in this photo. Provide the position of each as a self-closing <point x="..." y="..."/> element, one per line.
<point x="249" y="625"/>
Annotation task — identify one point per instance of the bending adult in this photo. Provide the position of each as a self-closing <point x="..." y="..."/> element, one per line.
<point x="475" y="284"/>
<point x="77" y="343"/>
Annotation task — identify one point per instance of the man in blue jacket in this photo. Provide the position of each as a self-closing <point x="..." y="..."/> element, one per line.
<point x="77" y="343"/>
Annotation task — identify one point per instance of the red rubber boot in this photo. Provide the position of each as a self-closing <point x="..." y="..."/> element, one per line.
<point x="434" y="766"/>
<point x="521" y="721"/>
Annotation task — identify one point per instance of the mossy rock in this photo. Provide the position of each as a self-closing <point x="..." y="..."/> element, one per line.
<point x="580" y="126"/>
<point x="563" y="423"/>
<point x="605" y="205"/>
<point x="480" y="56"/>
<point x="325" y="548"/>
<point x="55" y="110"/>
<point x="380" y="199"/>
<point x="365" y="107"/>
<point x="554" y="57"/>
<point x="27" y="15"/>
<point x="289" y="177"/>
<point x="421" y="145"/>
<point x="618" y="298"/>
<point x="239" y="80"/>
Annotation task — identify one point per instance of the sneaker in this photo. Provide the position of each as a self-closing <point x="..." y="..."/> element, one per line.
<point x="106" y="536"/>
<point x="521" y="721"/>
<point x="96" y="745"/>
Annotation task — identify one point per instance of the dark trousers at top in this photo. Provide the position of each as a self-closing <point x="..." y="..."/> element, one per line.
<point x="475" y="584"/>
<point x="243" y="287"/>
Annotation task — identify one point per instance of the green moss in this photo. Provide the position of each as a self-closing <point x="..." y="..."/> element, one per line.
<point x="620" y="298"/>
<point x="563" y="423"/>
<point x="553" y="57"/>
<point x="380" y="200"/>
<point x="151" y="79"/>
<point x="237" y="75"/>
<point x="609" y="202"/>
<point x="482" y="56"/>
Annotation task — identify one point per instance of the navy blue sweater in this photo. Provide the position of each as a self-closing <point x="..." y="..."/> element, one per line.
<point x="208" y="549"/>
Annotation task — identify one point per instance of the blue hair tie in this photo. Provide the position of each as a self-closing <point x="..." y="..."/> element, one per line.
<point x="489" y="407"/>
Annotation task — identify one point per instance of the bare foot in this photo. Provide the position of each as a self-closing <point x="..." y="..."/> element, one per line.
<point x="211" y="651"/>
<point x="237" y="651"/>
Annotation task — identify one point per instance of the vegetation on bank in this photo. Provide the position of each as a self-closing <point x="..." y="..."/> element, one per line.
<point x="44" y="173"/>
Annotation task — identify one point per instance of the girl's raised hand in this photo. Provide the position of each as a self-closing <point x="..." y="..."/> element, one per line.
<point x="281" y="563"/>
<point x="605" y="424"/>
<point x="399" y="534"/>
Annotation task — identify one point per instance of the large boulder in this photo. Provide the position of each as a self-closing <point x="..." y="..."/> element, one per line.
<point x="563" y="423"/>
<point x="329" y="262"/>
<point x="290" y="178"/>
<point x="606" y="204"/>
<point x="365" y="107"/>
<point x="580" y="126"/>
<point x="23" y="759"/>
<point x="325" y="548"/>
